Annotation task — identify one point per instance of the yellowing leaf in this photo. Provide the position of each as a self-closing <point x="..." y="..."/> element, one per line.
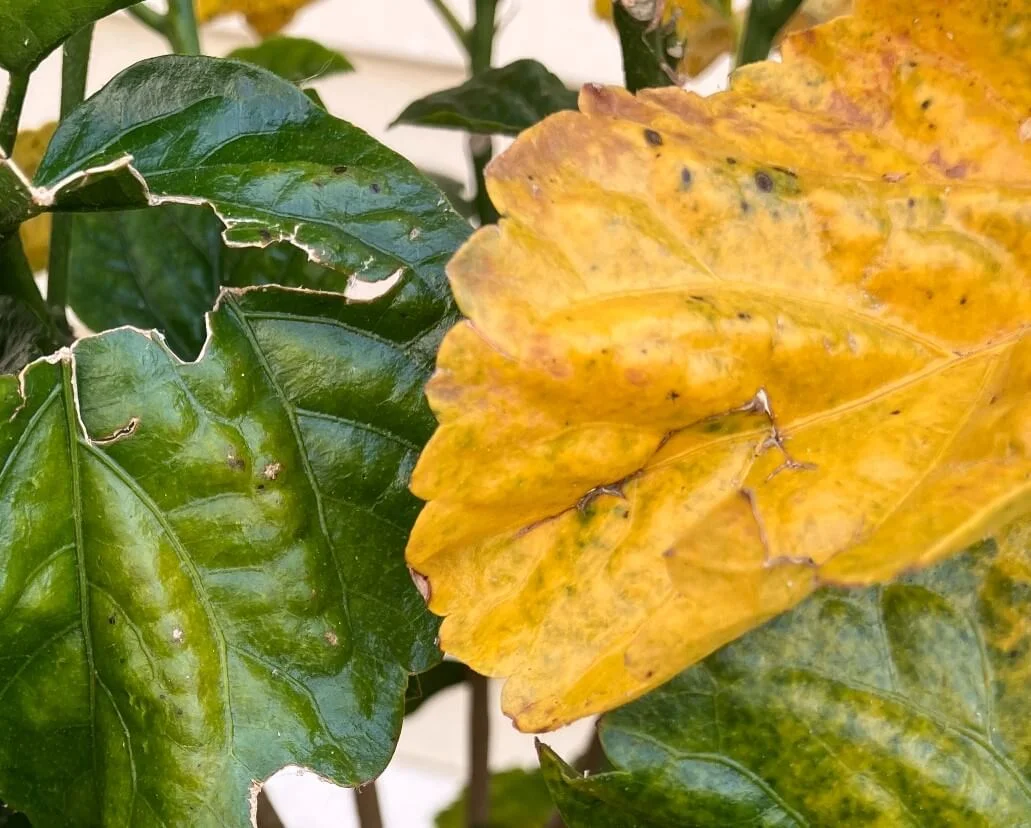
<point x="723" y="350"/>
<point x="264" y="16"/>
<point x="35" y="233"/>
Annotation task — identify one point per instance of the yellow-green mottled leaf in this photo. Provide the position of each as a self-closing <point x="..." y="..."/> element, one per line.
<point x="722" y="351"/>
<point x="900" y="706"/>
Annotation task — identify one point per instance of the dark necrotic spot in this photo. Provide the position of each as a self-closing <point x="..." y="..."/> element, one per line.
<point x="653" y="138"/>
<point x="926" y="104"/>
<point x="374" y="188"/>
<point x="896" y="412"/>
<point x="962" y="300"/>
<point x="745" y="207"/>
<point x="732" y="161"/>
<point x="685" y="178"/>
<point x="764" y="182"/>
<point x="341" y="169"/>
<point x="911" y="202"/>
<point x="744" y="317"/>
<point x="265" y="235"/>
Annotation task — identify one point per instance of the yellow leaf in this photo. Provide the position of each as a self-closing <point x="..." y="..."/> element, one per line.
<point x="723" y="350"/>
<point x="35" y="233"/>
<point x="264" y="16"/>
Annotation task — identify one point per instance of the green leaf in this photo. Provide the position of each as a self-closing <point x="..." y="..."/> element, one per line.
<point x="162" y="267"/>
<point x="31" y="29"/>
<point x="499" y="101"/>
<point x="518" y="799"/>
<point x="201" y="565"/>
<point x="274" y="165"/>
<point x="902" y="705"/>
<point x="12" y="819"/>
<point x="297" y="59"/>
<point x="23" y="337"/>
<point x="455" y="192"/>
<point x="423" y="687"/>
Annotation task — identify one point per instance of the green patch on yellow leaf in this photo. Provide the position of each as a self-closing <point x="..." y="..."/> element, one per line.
<point x="721" y="351"/>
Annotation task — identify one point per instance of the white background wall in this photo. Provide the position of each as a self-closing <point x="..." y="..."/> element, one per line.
<point x="401" y="51"/>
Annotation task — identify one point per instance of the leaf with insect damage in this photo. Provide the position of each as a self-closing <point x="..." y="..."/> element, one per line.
<point x="721" y="351"/>
<point x="201" y="565"/>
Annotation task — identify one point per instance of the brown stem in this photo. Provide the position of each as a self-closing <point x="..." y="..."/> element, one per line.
<point x="367" y="802"/>
<point x="478" y="815"/>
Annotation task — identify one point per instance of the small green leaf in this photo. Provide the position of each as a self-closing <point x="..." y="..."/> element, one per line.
<point x="499" y="101"/>
<point x="902" y="705"/>
<point x="518" y="799"/>
<point x="31" y="29"/>
<point x="423" y="687"/>
<point x="201" y="565"/>
<point x="297" y="59"/>
<point x="274" y="165"/>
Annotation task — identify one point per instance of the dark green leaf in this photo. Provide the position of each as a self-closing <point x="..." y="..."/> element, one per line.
<point x="499" y="101"/>
<point x="645" y="63"/>
<point x="31" y="29"/>
<point x="11" y="819"/>
<point x="15" y="198"/>
<point x="202" y="579"/>
<point x="23" y="337"/>
<point x="455" y="192"/>
<point x="162" y="267"/>
<point x="423" y="687"/>
<point x="518" y="799"/>
<point x="904" y="705"/>
<point x="273" y="164"/>
<point x="297" y="59"/>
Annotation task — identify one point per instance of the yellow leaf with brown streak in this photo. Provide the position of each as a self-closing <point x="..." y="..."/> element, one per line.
<point x="264" y="16"/>
<point x="721" y="351"/>
<point x="35" y="233"/>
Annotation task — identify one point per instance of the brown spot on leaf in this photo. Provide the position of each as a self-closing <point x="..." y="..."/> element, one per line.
<point x="272" y="470"/>
<point x="653" y="138"/>
<point x="764" y="182"/>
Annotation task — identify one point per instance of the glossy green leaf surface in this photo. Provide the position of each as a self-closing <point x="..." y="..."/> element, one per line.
<point x="424" y="687"/>
<point x="202" y="580"/>
<point x="273" y="164"/>
<point x="297" y="59"/>
<point x="502" y="101"/>
<point x="518" y="799"/>
<point x="900" y="706"/>
<point x="162" y="267"/>
<point x="31" y="29"/>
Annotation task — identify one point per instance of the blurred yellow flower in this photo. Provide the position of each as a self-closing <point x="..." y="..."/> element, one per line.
<point x="35" y="233"/>
<point x="264" y="16"/>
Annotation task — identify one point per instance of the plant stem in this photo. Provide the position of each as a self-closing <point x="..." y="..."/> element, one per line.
<point x="18" y="85"/>
<point x="366" y="799"/>
<point x="74" y="64"/>
<point x="765" y="20"/>
<point x="150" y="18"/>
<point x="478" y="815"/>
<point x="16" y="280"/>
<point x="453" y="23"/>
<point x="182" y="27"/>
<point x="480" y="47"/>
<point x="644" y="54"/>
